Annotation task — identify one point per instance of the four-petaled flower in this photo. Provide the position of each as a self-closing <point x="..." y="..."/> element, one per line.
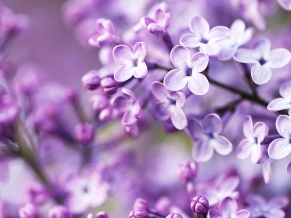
<point x="132" y="61"/>
<point x="169" y="105"/>
<point x="188" y="71"/>
<point x="251" y="146"/>
<point x="204" y="37"/>
<point x="258" y="206"/>
<point x="282" y="103"/>
<point x="263" y="59"/>
<point x="281" y="147"/>
<point x="228" y="209"/>
<point x="206" y="138"/>
<point x="105" y="33"/>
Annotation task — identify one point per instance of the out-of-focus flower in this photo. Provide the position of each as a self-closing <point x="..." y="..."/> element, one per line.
<point x="28" y="211"/>
<point x="263" y="59"/>
<point x="187" y="172"/>
<point x="207" y="138"/>
<point x="132" y="61"/>
<point x="59" y="211"/>
<point x="204" y="37"/>
<point x="188" y="71"/>
<point x="286" y="4"/>
<point x="228" y="208"/>
<point x="258" y="206"/>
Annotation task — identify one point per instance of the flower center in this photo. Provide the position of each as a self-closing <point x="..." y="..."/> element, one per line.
<point x="262" y="61"/>
<point x="189" y="71"/>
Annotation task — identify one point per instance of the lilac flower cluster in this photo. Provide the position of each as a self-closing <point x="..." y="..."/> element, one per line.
<point x="183" y="93"/>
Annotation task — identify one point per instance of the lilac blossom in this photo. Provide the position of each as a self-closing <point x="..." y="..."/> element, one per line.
<point x="284" y="102"/>
<point x="59" y="211"/>
<point x="286" y="4"/>
<point x="159" y="21"/>
<point x="239" y="35"/>
<point x="28" y="211"/>
<point x="228" y="209"/>
<point x="281" y="147"/>
<point x="199" y="205"/>
<point x="204" y="37"/>
<point x="188" y="71"/>
<point x="169" y="105"/>
<point x="132" y="61"/>
<point x="259" y="207"/>
<point x="262" y="59"/>
<point x="207" y="138"/>
<point x="105" y="33"/>
<point x="251" y="145"/>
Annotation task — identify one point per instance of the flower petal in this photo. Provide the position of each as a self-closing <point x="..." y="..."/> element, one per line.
<point x="283" y="125"/>
<point x="221" y="145"/>
<point x="159" y="91"/>
<point x="199" y="26"/>
<point x="140" y="71"/>
<point x="289" y="168"/>
<point x="190" y="40"/>
<point x="279" y="148"/>
<point x="243" y="214"/>
<point x="255" y="200"/>
<point x="175" y="80"/>
<point x="245" y="56"/>
<point x="260" y="131"/>
<point x="195" y="129"/>
<point x="122" y="73"/>
<point x="278" y="58"/>
<point x="279" y="104"/>
<point x="178" y="117"/>
<point x="248" y="128"/>
<point x="260" y="74"/>
<point x="212" y="123"/>
<point x="226" y="51"/>
<point x="267" y="171"/>
<point x="286" y="4"/>
<point x="278" y="202"/>
<point x="198" y="84"/>
<point x="262" y="47"/>
<point x="180" y="56"/>
<point x="285" y="90"/>
<point x="122" y="53"/>
<point x="228" y="207"/>
<point x="214" y="213"/>
<point x="211" y="48"/>
<point x="140" y="50"/>
<point x="244" y="149"/>
<point x="199" y="62"/>
<point x="218" y="33"/>
<point x="257" y="154"/>
<point x="202" y="151"/>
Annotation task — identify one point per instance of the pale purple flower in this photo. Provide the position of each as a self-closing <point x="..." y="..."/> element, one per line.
<point x="204" y="37"/>
<point x="284" y="102"/>
<point x="28" y="211"/>
<point x="84" y="133"/>
<point x="258" y="206"/>
<point x="105" y="33"/>
<point x="263" y="59"/>
<point x="281" y="147"/>
<point x="158" y="21"/>
<point x="207" y="138"/>
<point x="228" y="209"/>
<point x="188" y="71"/>
<point x="132" y="61"/>
<point x="59" y="211"/>
<point x="239" y="35"/>
<point x="286" y="4"/>
<point x="169" y="105"/>
<point x="251" y="145"/>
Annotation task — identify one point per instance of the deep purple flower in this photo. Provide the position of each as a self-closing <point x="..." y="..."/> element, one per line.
<point x="59" y="211"/>
<point x="281" y="147"/>
<point x="239" y="35"/>
<point x="204" y="37"/>
<point x="284" y="102"/>
<point x="132" y="61"/>
<point x="105" y="33"/>
<point x="28" y="211"/>
<point x="188" y="71"/>
<point x="200" y="204"/>
<point x="169" y="105"/>
<point x="263" y="59"/>
<point x="158" y="20"/>
<point x="228" y="209"/>
<point x="207" y="138"/>
<point x="251" y="145"/>
<point x="258" y="206"/>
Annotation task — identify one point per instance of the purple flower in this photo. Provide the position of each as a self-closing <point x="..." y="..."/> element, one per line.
<point x="84" y="133"/>
<point x="272" y="209"/>
<point x="263" y="59"/>
<point x="281" y="147"/>
<point x="228" y="209"/>
<point x="101" y="214"/>
<point x="204" y="37"/>
<point x="132" y="61"/>
<point x="169" y="105"/>
<point x="199" y="204"/>
<point x="28" y="211"/>
<point x="251" y="146"/>
<point x="188" y="71"/>
<point x="286" y="4"/>
<point x="105" y="33"/>
<point x="282" y="103"/>
<point x="239" y="35"/>
<point x="159" y="22"/>
<point x="187" y="172"/>
<point x="59" y="211"/>
<point x="207" y="138"/>
<point x="174" y="215"/>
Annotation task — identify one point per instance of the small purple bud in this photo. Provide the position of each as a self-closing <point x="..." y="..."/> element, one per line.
<point x="91" y="80"/>
<point x="59" y="211"/>
<point x="102" y="214"/>
<point x="28" y="211"/>
<point x="110" y="85"/>
<point x="163" y="205"/>
<point x="174" y="215"/>
<point x="140" y="204"/>
<point x="141" y="213"/>
<point x="200" y="205"/>
<point x="84" y="133"/>
<point x="187" y="172"/>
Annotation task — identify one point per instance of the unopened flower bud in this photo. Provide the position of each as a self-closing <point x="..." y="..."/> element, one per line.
<point x="187" y="172"/>
<point x="174" y="215"/>
<point x="140" y="204"/>
<point x="28" y="211"/>
<point x="200" y="205"/>
<point x="84" y="133"/>
<point x="91" y="80"/>
<point x="59" y="211"/>
<point x="109" y="85"/>
<point x="163" y="205"/>
<point x="102" y="214"/>
<point x="141" y="213"/>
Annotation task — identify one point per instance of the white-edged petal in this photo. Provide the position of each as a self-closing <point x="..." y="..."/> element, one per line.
<point x="279" y="148"/>
<point x="198" y="84"/>
<point x="260" y="74"/>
